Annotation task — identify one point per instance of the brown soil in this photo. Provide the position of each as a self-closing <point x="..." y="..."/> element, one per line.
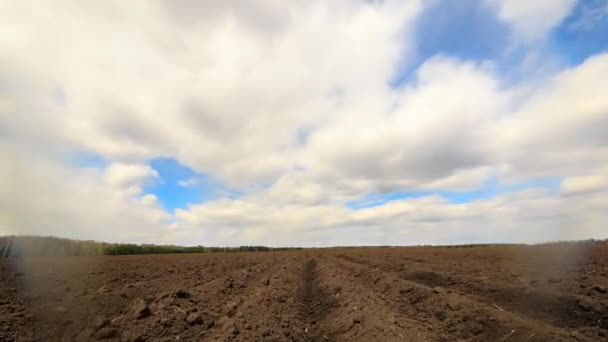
<point x="509" y="293"/>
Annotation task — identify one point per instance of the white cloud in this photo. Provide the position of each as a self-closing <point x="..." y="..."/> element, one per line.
<point x="532" y="20"/>
<point x="129" y="175"/>
<point x="559" y="127"/>
<point x="190" y="182"/>
<point x="585" y="184"/>
<point x="523" y="217"/>
<point x="165" y="86"/>
<point x="428" y="133"/>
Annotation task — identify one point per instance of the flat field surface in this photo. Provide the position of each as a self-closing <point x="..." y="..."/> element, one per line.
<point x="496" y="293"/>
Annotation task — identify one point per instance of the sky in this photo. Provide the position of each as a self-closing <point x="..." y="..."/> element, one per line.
<point x="305" y="123"/>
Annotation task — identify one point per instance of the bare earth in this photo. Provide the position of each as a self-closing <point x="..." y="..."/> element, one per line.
<point x="361" y="294"/>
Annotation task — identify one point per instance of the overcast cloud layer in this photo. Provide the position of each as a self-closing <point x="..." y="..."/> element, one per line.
<point x="293" y="111"/>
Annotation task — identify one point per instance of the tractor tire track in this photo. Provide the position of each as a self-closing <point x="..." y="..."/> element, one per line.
<point x="315" y="304"/>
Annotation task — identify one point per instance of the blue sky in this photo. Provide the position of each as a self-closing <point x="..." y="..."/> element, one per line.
<point x="583" y="33"/>
<point x="467" y="30"/>
<point x="472" y="31"/>
<point x="168" y="188"/>
<point x="179" y="185"/>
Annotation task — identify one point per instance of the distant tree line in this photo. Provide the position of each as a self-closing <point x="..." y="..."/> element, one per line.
<point x="54" y="246"/>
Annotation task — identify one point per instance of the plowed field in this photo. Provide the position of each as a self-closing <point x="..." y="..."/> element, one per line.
<point x="499" y="293"/>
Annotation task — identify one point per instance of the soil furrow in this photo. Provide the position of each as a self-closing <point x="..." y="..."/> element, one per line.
<point x="453" y="315"/>
<point x="551" y="307"/>
<point x="359" y="313"/>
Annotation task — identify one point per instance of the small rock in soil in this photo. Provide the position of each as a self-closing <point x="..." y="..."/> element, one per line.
<point x="150" y="298"/>
<point x="84" y="335"/>
<point x="454" y="304"/>
<point x="194" y="319"/>
<point x="476" y="328"/>
<point x="438" y="290"/>
<point x="440" y="314"/>
<point x="182" y="293"/>
<point x="600" y="289"/>
<point x="231" y="309"/>
<point x="578" y="336"/>
<point x="105" y="333"/>
<point x="139" y="338"/>
<point x="585" y="306"/>
<point x="141" y="309"/>
<point x="406" y="290"/>
<point x="100" y="322"/>
<point x="61" y="309"/>
<point x="165" y="322"/>
<point x="554" y="280"/>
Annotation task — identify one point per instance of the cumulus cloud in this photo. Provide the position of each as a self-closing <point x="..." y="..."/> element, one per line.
<point x="290" y="104"/>
<point x="163" y="85"/>
<point x="559" y="127"/>
<point x="431" y="131"/>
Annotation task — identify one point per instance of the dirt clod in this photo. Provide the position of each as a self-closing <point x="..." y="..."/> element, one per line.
<point x="454" y="304"/>
<point x="194" y="318"/>
<point x="438" y="290"/>
<point x="357" y="318"/>
<point x="106" y="333"/>
<point x="182" y="293"/>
